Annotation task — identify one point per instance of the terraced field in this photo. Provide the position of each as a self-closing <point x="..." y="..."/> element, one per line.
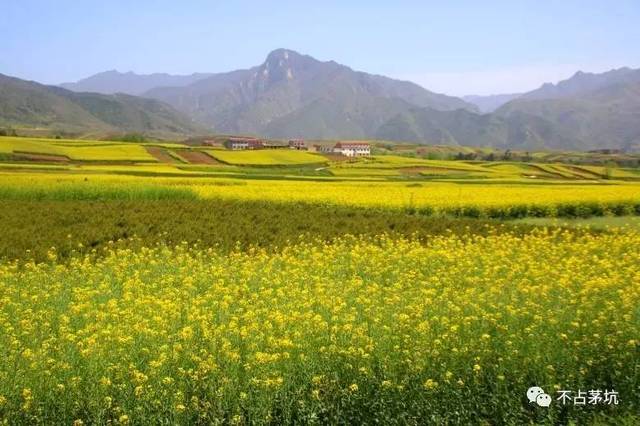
<point x="77" y="150"/>
<point x="281" y="163"/>
<point x="267" y="157"/>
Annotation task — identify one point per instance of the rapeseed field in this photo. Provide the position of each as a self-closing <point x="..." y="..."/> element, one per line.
<point x="476" y="200"/>
<point x="266" y="157"/>
<point x="362" y="330"/>
<point x="493" y="200"/>
<point x="132" y="297"/>
<point x="76" y="150"/>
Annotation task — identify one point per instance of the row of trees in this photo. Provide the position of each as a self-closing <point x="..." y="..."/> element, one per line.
<point x="493" y="156"/>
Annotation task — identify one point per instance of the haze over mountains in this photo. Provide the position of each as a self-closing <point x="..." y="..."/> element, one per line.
<point x="579" y="84"/>
<point x="295" y="95"/>
<point x="490" y="103"/>
<point x="111" y="82"/>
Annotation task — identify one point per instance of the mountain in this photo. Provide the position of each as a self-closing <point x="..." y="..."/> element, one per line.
<point x="110" y="82"/>
<point x="587" y="111"/>
<point x="30" y="104"/>
<point x="295" y="95"/>
<point x="291" y="94"/>
<point x="579" y="84"/>
<point x="607" y="116"/>
<point x="460" y="127"/>
<point x="582" y="83"/>
<point x="491" y="102"/>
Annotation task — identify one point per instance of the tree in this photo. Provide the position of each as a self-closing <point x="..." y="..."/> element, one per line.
<point x="471" y="156"/>
<point x="608" y="170"/>
<point x="8" y="132"/>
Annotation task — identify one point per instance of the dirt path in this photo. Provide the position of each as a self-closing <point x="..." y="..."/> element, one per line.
<point x="161" y="155"/>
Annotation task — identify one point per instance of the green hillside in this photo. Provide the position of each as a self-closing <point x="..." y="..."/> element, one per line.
<point x="25" y="104"/>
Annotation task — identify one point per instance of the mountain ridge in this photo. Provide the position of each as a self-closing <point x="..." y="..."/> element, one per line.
<point x="583" y="82"/>
<point x="286" y="83"/>
<point x="112" y="82"/>
<point x="294" y="95"/>
<point x="31" y="104"/>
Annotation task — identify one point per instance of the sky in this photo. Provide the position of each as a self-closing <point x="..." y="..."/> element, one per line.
<point x="456" y="47"/>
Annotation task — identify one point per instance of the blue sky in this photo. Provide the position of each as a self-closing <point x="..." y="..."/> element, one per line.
<point x="456" y="47"/>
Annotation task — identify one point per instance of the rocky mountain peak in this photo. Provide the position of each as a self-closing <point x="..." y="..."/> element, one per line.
<point x="281" y="65"/>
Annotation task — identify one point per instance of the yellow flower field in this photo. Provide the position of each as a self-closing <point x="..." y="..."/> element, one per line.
<point x="389" y="328"/>
<point x="267" y="157"/>
<point x="77" y="150"/>
<point x="487" y="199"/>
<point x="436" y="195"/>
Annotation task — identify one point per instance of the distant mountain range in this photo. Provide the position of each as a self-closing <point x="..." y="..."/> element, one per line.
<point x="587" y="111"/>
<point x="290" y="95"/>
<point x="295" y="95"/>
<point x="111" y="82"/>
<point x="582" y="83"/>
<point x="29" y="104"/>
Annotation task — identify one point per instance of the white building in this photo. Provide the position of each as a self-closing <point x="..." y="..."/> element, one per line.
<point x="352" y="149"/>
<point x="236" y="143"/>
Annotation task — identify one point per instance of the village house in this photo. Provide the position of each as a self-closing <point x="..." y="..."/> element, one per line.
<point x="238" y="143"/>
<point x="297" y="144"/>
<point x="352" y="149"/>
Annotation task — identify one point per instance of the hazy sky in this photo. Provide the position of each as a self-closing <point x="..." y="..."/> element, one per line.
<point x="463" y="47"/>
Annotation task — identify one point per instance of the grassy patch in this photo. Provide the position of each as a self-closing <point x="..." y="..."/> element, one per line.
<point x="91" y="192"/>
<point x="30" y="228"/>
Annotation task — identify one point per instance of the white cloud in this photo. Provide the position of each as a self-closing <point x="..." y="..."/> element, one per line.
<point x="497" y="81"/>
